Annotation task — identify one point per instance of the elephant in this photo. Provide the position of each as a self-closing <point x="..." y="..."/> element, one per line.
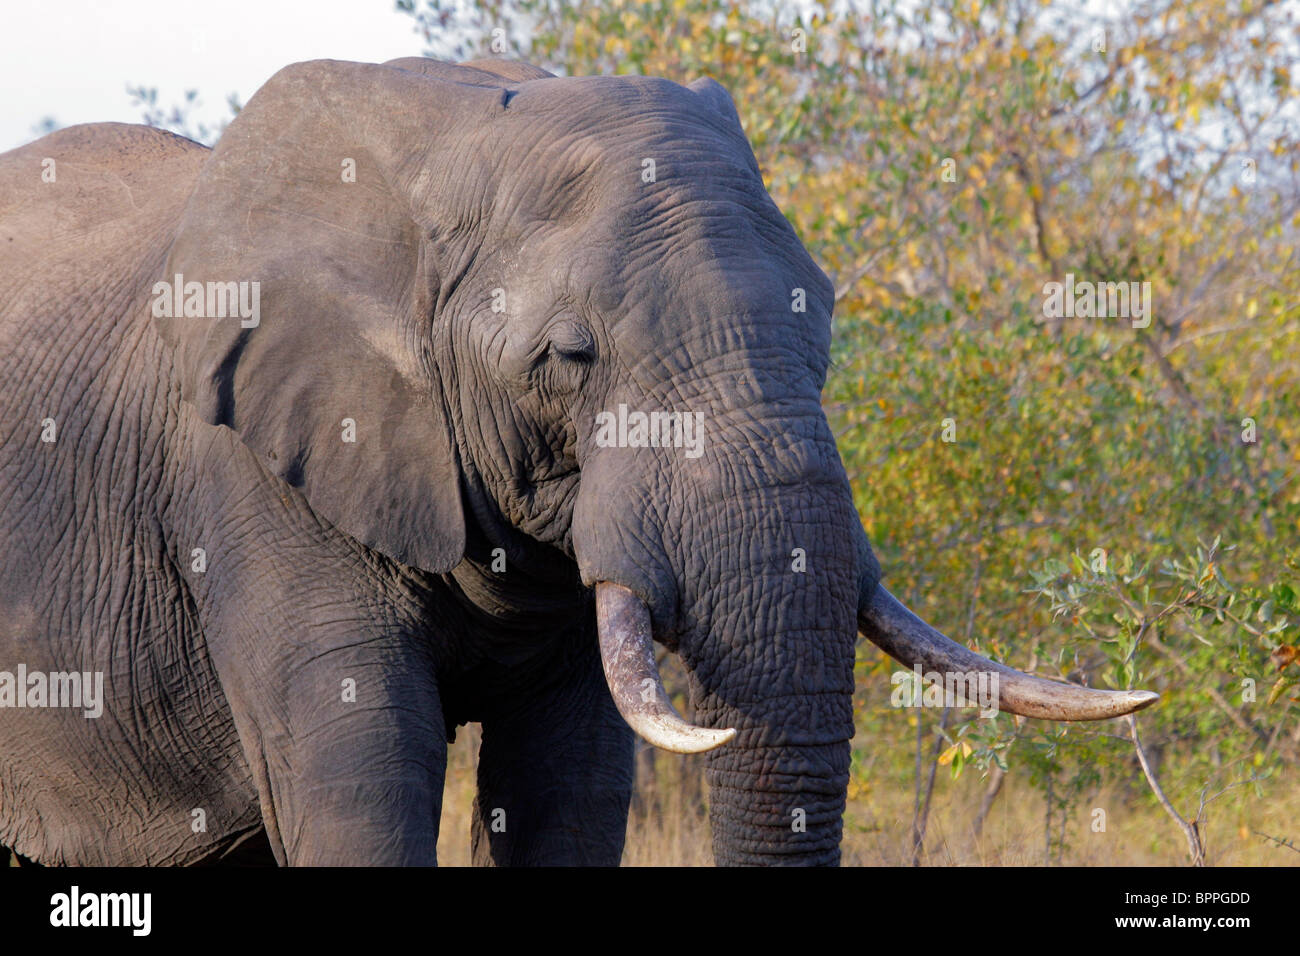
<point x="432" y="394"/>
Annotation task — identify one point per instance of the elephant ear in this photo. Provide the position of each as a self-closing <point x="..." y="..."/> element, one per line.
<point x="317" y="201"/>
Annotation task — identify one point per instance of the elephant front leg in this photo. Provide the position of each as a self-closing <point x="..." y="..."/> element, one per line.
<point x="555" y="767"/>
<point x="346" y="742"/>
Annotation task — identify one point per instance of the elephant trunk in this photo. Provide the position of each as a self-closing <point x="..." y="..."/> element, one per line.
<point x="778" y="668"/>
<point x="777" y="805"/>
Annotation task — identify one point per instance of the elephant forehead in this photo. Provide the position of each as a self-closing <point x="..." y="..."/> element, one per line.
<point x="623" y="178"/>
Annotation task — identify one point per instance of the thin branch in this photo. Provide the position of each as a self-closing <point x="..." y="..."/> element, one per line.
<point x="1280" y="842"/>
<point x="1195" y="848"/>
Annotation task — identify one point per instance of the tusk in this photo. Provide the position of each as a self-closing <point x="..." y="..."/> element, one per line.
<point x="908" y="639"/>
<point x="627" y="653"/>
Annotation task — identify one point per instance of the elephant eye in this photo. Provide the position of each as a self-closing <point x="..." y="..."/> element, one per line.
<point x="571" y="339"/>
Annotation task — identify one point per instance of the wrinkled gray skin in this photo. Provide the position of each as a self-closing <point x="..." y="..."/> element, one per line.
<point x="329" y="561"/>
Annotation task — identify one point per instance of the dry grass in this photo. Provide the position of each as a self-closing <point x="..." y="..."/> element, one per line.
<point x="458" y="798"/>
<point x="669" y="825"/>
<point x="878" y="831"/>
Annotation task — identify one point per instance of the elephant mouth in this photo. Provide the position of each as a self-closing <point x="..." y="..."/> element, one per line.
<point x="627" y="653"/>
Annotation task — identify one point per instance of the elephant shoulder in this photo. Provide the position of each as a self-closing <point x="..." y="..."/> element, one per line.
<point x="92" y="173"/>
<point x="82" y="206"/>
<point x="128" y="142"/>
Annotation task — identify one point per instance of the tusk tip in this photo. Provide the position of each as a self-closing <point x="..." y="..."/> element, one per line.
<point x="697" y="740"/>
<point x="713" y="739"/>
<point x="1141" y="699"/>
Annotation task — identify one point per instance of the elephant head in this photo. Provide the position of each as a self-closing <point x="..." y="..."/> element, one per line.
<point x="566" y="319"/>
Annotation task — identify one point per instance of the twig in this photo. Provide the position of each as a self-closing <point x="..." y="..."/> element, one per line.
<point x="1290" y="845"/>
<point x="923" y="810"/>
<point x="1194" y="845"/>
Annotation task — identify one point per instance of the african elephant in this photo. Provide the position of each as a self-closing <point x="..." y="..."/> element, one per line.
<point x="432" y="394"/>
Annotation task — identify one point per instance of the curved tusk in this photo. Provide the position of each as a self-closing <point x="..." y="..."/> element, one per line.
<point x="902" y="635"/>
<point x="627" y="653"/>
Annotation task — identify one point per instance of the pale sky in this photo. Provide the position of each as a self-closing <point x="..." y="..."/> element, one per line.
<point x="73" y="59"/>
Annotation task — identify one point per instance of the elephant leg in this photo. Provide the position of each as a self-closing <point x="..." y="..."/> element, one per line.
<point x="346" y="743"/>
<point x="555" y="767"/>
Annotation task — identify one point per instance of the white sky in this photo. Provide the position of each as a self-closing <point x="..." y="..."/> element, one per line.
<point x="73" y="59"/>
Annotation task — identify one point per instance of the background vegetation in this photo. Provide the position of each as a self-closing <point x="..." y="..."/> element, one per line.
<point x="1078" y="497"/>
